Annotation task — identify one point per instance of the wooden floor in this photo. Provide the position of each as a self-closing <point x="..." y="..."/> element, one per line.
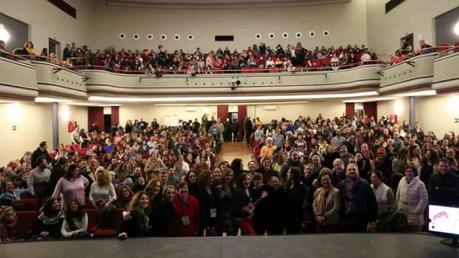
<point x="232" y="150"/>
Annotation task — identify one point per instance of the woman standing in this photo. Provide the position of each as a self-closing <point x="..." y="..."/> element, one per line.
<point x="384" y="197"/>
<point x="243" y="205"/>
<point x="227" y="188"/>
<point x="296" y="194"/>
<point x="412" y="199"/>
<point x="208" y="200"/>
<point x="71" y="186"/>
<point x="136" y="221"/>
<point x="102" y="192"/>
<point x="327" y="204"/>
<point x="185" y="217"/>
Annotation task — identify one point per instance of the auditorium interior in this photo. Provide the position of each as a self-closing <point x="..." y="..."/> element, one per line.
<point x="229" y="128"/>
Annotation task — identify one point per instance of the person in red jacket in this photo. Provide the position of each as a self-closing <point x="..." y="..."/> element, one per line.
<point x="185" y="218"/>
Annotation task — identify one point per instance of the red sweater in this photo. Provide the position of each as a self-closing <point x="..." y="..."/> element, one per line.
<point x="189" y="209"/>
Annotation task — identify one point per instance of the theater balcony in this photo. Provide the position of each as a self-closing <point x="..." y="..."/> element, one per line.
<point x="416" y="73"/>
<point x="18" y="79"/>
<point x="446" y="71"/>
<point x="356" y="79"/>
<point x="56" y="81"/>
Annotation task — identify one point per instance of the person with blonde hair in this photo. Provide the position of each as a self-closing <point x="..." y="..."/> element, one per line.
<point x="102" y="192"/>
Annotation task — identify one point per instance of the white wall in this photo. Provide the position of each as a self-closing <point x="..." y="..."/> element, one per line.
<point x="71" y="113"/>
<point x="399" y="107"/>
<point x="411" y="16"/>
<point x="163" y="112"/>
<point x="437" y="113"/>
<point x="346" y="23"/>
<point x="47" y="21"/>
<point x="33" y="125"/>
<point x="329" y="109"/>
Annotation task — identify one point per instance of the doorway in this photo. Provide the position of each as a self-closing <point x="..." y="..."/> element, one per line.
<point x="107" y="123"/>
<point x="408" y="39"/>
<point x="54" y="47"/>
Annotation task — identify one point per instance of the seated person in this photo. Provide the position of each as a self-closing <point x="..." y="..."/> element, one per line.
<point x="9" y="230"/>
<point x="49" y="222"/>
<point x="76" y="221"/>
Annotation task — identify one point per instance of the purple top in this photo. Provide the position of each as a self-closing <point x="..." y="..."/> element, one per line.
<point x="72" y="189"/>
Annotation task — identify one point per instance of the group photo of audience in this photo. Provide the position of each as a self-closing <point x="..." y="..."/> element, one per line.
<point x="308" y="175"/>
<point x="256" y="58"/>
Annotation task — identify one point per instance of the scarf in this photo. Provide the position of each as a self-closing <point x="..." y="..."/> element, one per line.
<point x="52" y="220"/>
<point x="143" y="219"/>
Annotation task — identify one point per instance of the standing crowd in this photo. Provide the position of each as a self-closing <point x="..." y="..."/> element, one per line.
<point x="307" y="175"/>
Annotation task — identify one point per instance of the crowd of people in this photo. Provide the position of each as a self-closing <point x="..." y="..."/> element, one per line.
<point x="260" y="56"/>
<point x="290" y="58"/>
<point x="307" y="175"/>
<point x="407" y="51"/>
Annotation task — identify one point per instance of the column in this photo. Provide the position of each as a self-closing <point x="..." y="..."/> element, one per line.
<point x="412" y="111"/>
<point x="55" y="124"/>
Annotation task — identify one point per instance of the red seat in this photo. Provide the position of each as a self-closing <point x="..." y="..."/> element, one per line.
<point x="27" y="205"/>
<point x="456" y="47"/>
<point x="92" y="216"/>
<point x="442" y="47"/>
<point x="88" y="204"/>
<point x="26" y="222"/>
<point x="104" y="233"/>
<point x="245" y="69"/>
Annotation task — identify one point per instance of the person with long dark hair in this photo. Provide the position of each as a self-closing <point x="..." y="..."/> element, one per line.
<point x="124" y="194"/>
<point x="275" y="203"/>
<point x="237" y="166"/>
<point x="226" y="203"/>
<point x="75" y="224"/>
<point x="208" y="200"/>
<point x="191" y="179"/>
<point x="136" y="220"/>
<point x="296" y="195"/>
<point x="49" y="222"/>
<point x="71" y="186"/>
<point x="244" y="204"/>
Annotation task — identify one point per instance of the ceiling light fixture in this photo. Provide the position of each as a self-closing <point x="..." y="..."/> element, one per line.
<point x="232" y="98"/>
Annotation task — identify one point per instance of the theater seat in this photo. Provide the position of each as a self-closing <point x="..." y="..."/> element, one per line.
<point x="441" y="47"/>
<point x="27" y="205"/>
<point x="26" y="222"/>
<point x="106" y="232"/>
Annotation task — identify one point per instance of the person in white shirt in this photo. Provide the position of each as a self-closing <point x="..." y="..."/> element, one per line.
<point x="366" y="57"/>
<point x="102" y="192"/>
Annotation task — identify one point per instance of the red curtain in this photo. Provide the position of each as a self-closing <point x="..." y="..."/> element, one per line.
<point x="96" y="115"/>
<point x="371" y="109"/>
<point x="115" y="116"/>
<point x="241" y="115"/>
<point x="350" y="109"/>
<point x="222" y="112"/>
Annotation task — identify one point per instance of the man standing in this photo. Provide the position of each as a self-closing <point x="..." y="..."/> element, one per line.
<point x="41" y="151"/>
<point x="359" y="207"/>
<point x="293" y="161"/>
<point x="444" y="186"/>
<point x="38" y="180"/>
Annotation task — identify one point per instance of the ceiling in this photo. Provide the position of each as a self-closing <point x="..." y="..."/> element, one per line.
<point x="216" y="3"/>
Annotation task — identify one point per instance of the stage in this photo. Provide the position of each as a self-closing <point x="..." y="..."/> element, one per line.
<point x="310" y="246"/>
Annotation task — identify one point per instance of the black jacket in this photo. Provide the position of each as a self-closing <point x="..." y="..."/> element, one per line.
<point x="444" y="189"/>
<point x="366" y="209"/>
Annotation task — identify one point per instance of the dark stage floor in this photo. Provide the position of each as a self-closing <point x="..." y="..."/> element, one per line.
<point x="310" y="246"/>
